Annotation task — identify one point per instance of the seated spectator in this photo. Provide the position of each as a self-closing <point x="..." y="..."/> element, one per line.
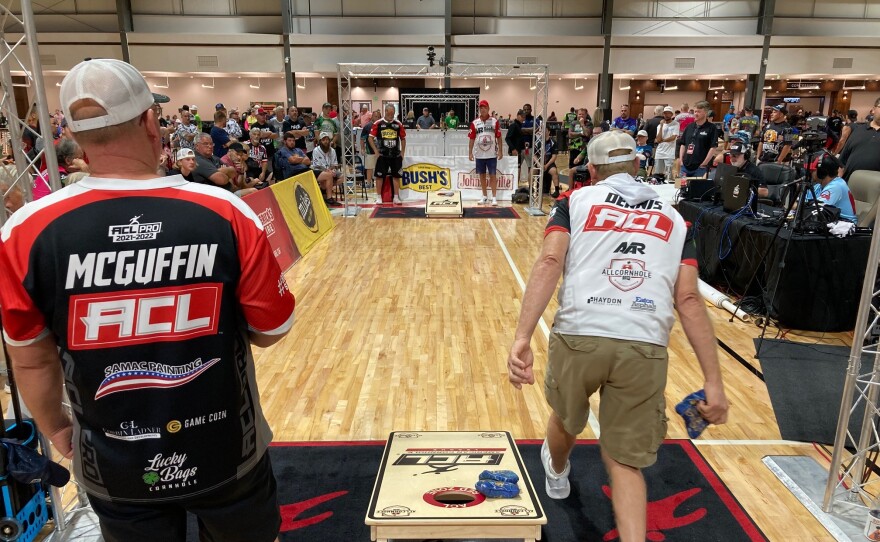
<point x="739" y="158"/>
<point x="326" y="167"/>
<point x="236" y="158"/>
<point x="289" y="160"/>
<point x="551" y="172"/>
<point x="184" y="164"/>
<point x="219" y="135"/>
<point x="70" y="160"/>
<point x="13" y="197"/>
<point x="209" y="170"/>
<point x="831" y="189"/>
<point x="257" y="161"/>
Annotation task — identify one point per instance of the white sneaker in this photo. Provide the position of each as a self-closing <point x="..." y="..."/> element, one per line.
<point x="483" y="201"/>
<point x="378" y="201"/>
<point x="495" y="202"/>
<point x="556" y="485"/>
<point x="396" y="200"/>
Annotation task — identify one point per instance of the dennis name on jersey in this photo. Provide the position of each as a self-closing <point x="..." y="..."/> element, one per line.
<point x="142" y="266"/>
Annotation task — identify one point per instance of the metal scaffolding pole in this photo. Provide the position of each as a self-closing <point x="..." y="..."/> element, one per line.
<point x="847" y="481"/>
<point x="12" y="59"/>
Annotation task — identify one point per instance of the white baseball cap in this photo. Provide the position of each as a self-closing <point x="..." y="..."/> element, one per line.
<point x="668" y="109"/>
<point x="642" y="133"/>
<point x="115" y="85"/>
<point x="185" y="153"/>
<point x="325" y="134"/>
<point x="603" y="144"/>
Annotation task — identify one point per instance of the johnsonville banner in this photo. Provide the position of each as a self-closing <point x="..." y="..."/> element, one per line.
<point x="423" y="174"/>
<point x="284" y="248"/>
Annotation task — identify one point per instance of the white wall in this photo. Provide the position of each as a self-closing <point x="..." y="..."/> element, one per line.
<point x="862" y="101"/>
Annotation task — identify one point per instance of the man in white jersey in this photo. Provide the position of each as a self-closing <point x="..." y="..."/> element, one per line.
<point x="485" y="146"/>
<point x="627" y="262"/>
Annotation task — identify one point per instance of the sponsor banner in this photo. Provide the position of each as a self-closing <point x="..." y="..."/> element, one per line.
<point x="303" y="209"/>
<point x="263" y="203"/>
<point x="423" y="174"/>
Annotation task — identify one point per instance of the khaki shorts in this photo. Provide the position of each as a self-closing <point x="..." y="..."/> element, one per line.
<point x="630" y="377"/>
<point x="370" y="161"/>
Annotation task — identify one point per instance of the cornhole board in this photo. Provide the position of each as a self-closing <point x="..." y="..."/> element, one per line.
<point x="425" y="489"/>
<point x="444" y="204"/>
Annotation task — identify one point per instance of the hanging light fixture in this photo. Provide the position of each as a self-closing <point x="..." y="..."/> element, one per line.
<point x="257" y="85"/>
<point x="303" y="85"/>
<point x="576" y="86"/>
<point x="157" y="85"/>
<point x="625" y="84"/>
<point x="209" y="86"/>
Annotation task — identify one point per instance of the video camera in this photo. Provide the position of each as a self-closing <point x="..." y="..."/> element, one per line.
<point x="813" y="138"/>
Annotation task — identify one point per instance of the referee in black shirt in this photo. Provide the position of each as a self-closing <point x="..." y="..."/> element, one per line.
<point x="862" y="149"/>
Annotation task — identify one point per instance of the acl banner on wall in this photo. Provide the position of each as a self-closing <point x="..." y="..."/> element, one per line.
<point x="423" y="174"/>
<point x="304" y="210"/>
<point x="263" y="203"/>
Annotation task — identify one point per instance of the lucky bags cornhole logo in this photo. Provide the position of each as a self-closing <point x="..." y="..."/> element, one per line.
<point x="626" y="274"/>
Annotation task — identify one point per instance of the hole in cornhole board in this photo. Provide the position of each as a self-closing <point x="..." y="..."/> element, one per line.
<point x="453" y="497"/>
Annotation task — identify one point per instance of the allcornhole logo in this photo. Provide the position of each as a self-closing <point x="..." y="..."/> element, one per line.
<point x="395" y="511"/>
<point x="514" y="511"/>
<point x="305" y="207"/>
<point x="626" y="274"/>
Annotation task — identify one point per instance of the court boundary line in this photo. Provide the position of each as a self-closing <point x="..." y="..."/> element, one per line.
<point x="592" y="419"/>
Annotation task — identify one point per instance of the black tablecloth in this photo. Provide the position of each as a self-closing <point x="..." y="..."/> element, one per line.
<point x="818" y="286"/>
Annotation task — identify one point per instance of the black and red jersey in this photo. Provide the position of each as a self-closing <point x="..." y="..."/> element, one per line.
<point x="388" y="134"/>
<point x="150" y="288"/>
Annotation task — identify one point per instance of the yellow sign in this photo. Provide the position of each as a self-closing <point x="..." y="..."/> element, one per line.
<point x="303" y="208"/>
<point x="424" y="177"/>
<point x="173" y="426"/>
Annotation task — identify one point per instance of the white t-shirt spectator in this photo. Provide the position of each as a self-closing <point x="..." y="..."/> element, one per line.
<point x="666" y="149"/>
<point x="233" y="128"/>
<point x="182" y="131"/>
<point x="322" y="160"/>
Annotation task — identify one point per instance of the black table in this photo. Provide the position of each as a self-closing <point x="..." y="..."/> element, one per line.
<point x="817" y="288"/>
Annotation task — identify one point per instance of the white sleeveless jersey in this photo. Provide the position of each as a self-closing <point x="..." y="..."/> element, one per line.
<point x="485" y="134"/>
<point x="622" y="263"/>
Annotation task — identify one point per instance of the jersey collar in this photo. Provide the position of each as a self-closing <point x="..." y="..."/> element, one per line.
<point x="101" y="183"/>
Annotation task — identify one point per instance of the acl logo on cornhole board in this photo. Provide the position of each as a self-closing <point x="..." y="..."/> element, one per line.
<point x="626" y="274"/>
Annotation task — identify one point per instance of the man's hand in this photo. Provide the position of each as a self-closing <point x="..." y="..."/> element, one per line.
<point x="577" y="160"/>
<point x="514" y="152"/>
<point x="471" y="157"/>
<point x="714" y="408"/>
<point x="62" y="439"/>
<point x="499" y="155"/>
<point x="519" y="363"/>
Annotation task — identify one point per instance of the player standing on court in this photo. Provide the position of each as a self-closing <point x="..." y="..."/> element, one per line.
<point x="144" y="294"/>
<point x="626" y="262"/>
<point x="388" y="140"/>
<point x="484" y="146"/>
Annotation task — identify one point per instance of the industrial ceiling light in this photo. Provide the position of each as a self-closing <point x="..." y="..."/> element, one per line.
<point x="157" y="85"/>
<point x="625" y="84"/>
<point x="716" y="87"/>
<point x="257" y="85"/>
<point x="854" y="87"/>
<point x="209" y="86"/>
<point x="303" y="85"/>
<point x="532" y="85"/>
<point x="576" y="86"/>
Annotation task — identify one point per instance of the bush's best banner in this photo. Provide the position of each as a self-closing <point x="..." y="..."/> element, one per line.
<point x="423" y="174"/>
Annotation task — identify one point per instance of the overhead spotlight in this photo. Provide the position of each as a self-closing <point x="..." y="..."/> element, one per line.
<point x="157" y="85"/>
<point x="257" y="85"/>
<point x="853" y="87"/>
<point x="625" y="84"/>
<point x="485" y="84"/>
<point x="303" y="85"/>
<point x="576" y="86"/>
<point x="532" y="85"/>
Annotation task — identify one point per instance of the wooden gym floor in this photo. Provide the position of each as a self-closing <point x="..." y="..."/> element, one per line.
<point x="405" y="325"/>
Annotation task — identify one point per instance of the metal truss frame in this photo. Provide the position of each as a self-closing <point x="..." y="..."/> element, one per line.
<point x="467" y="99"/>
<point x="537" y="74"/>
<point x="11" y="55"/>
<point x="847" y="482"/>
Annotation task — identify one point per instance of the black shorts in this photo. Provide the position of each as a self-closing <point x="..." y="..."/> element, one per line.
<point x="389" y="166"/>
<point x="244" y="510"/>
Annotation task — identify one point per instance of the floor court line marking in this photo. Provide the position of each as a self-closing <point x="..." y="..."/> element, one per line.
<point x="733" y="442"/>
<point x="592" y="420"/>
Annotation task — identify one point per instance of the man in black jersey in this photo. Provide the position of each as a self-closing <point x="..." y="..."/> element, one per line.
<point x="388" y="140"/>
<point x="144" y="295"/>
